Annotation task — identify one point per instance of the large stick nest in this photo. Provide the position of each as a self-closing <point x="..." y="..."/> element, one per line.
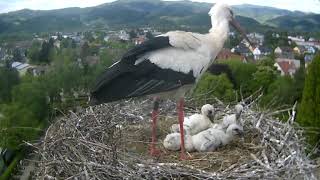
<point x="111" y="141"/>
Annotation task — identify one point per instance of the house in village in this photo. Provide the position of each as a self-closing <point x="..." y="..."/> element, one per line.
<point x="308" y="59"/>
<point x="123" y="35"/>
<point x="307" y="51"/>
<point x="242" y="49"/>
<point x="310" y="49"/>
<point x="22" y="68"/>
<point x="256" y="38"/>
<point x="296" y="39"/>
<point x="139" y="40"/>
<point x="311" y="42"/>
<point x="276" y="35"/>
<point x="226" y="54"/>
<point x="106" y="38"/>
<point x="278" y="50"/>
<point x="37" y="70"/>
<point x="116" y="36"/>
<point x="299" y="50"/>
<point x="77" y="39"/>
<point x="287" y="66"/>
<point x="265" y="51"/>
<point x="312" y="39"/>
<point x="260" y="52"/>
<point x="284" y="52"/>
<point x="57" y="44"/>
<point x="112" y="37"/>
<point x="257" y="53"/>
<point x="54" y="37"/>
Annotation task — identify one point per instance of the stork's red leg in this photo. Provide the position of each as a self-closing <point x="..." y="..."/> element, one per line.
<point x="155" y="113"/>
<point x="181" y="119"/>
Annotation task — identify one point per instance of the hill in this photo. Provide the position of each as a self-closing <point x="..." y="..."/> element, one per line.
<point x="167" y="15"/>
<point x="263" y="13"/>
<point x="31" y="21"/>
<point x="309" y="22"/>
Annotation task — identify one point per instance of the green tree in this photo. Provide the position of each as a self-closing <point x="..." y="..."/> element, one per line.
<point x="9" y="77"/>
<point x="85" y="50"/>
<point x="270" y="40"/>
<point x="60" y="37"/>
<point x="47" y="51"/>
<point x="65" y="43"/>
<point x="263" y="77"/>
<point x="211" y="86"/>
<point x="17" y="124"/>
<point x="309" y="109"/>
<point x="280" y="92"/>
<point x="88" y="36"/>
<point x="274" y="42"/>
<point x="267" y="61"/>
<point x="44" y="53"/>
<point x="243" y="73"/>
<point x="51" y="43"/>
<point x="68" y="43"/>
<point x="31" y="95"/>
<point x="298" y="83"/>
<point x="132" y="34"/>
<point x="17" y="56"/>
<point x="106" y="58"/>
<point x="33" y="52"/>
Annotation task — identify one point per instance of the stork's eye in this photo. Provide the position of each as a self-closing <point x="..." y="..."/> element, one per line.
<point x="209" y="112"/>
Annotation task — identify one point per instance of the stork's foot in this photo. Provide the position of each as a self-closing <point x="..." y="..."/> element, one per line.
<point x="154" y="151"/>
<point x="183" y="156"/>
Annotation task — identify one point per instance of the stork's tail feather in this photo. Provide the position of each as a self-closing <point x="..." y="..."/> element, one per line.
<point x="100" y="91"/>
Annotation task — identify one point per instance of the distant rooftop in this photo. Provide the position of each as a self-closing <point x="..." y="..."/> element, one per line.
<point x="19" y="65"/>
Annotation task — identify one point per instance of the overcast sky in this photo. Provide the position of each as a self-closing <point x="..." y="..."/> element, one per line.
<point x="11" y="5"/>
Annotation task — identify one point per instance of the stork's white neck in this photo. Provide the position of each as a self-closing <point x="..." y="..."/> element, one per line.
<point x="220" y="28"/>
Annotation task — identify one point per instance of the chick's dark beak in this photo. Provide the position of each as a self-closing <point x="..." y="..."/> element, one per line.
<point x="237" y="26"/>
<point x="210" y="116"/>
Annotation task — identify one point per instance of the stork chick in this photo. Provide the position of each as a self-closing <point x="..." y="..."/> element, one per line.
<point x="211" y="139"/>
<point x="197" y="122"/>
<point x="231" y="119"/>
<point x="173" y="142"/>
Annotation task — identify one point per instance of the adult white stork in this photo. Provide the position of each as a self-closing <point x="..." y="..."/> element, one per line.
<point x="168" y="62"/>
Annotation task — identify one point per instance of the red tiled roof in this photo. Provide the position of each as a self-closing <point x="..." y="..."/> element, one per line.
<point x="226" y="54"/>
<point x="286" y="66"/>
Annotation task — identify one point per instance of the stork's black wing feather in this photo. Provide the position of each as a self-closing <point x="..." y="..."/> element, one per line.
<point x="126" y="66"/>
<point x="153" y="44"/>
<point x="125" y="80"/>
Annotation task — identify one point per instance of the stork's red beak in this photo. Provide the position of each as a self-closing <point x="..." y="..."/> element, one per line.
<point x="237" y="26"/>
